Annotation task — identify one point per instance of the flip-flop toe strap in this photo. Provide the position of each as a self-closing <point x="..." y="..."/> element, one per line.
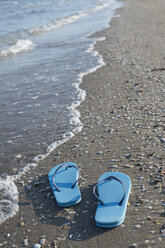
<point x="67" y="166"/>
<point x="109" y="179"/>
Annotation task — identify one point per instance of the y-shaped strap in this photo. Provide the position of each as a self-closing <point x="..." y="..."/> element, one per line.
<point x="67" y="166"/>
<point x="109" y="179"/>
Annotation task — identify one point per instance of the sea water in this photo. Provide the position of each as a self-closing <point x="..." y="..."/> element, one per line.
<point x="45" y="51"/>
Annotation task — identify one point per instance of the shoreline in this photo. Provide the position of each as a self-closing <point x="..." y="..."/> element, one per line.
<point x="10" y="181"/>
<point x="122" y="130"/>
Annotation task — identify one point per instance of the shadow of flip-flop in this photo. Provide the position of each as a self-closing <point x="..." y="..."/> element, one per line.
<point x="83" y="225"/>
<point x="41" y="196"/>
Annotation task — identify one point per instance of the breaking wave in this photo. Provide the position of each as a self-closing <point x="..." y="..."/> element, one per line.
<point x="20" y="46"/>
<point x="58" y="23"/>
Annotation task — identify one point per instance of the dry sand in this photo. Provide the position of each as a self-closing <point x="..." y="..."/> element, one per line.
<point x="124" y="129"/>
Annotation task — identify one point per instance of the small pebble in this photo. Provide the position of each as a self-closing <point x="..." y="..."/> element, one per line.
<point x="25" y="242"/>
<point x="140" y="178"/>
<point x="22" y="223"/>
<point x="134" y="245"/>
<point x="18" y="156"/>
<point x="42" y="241"/>
<point x="137" y="226"/>
<point x="37" y="246"/>
<point x="149" y="207"/>
<point x="113" y="166"/>
<point x="162" y="229"/>
<point x="28" y="187"/>
<point x="127" y="166"/>
<point x="55" y="244"/>
<point x="71" y="236"/>
<point x="100" y="152"/>
<point x="128" y="155"/>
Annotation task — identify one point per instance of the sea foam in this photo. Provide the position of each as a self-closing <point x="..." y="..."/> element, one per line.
<point x="58" y="23"/>
<point x="20" y="46"/>
<point x="55" y="24"/>
<point x="8" y="198"/>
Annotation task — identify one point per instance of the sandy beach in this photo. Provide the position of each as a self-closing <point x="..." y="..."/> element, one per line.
<point x="124" y="130"/>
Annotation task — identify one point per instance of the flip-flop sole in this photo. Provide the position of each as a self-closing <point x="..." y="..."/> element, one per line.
<point x="64" y="179"/>
<point x="110" y="225"/>
<point x="69" y="204"/>
<point x="111" y="192"/>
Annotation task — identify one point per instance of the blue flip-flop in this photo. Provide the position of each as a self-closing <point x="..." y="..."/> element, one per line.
<point x="113" y="194"/>
<point x="64" y="182"/>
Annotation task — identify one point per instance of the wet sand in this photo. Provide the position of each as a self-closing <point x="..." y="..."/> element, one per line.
<point x="124" y="130"/>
